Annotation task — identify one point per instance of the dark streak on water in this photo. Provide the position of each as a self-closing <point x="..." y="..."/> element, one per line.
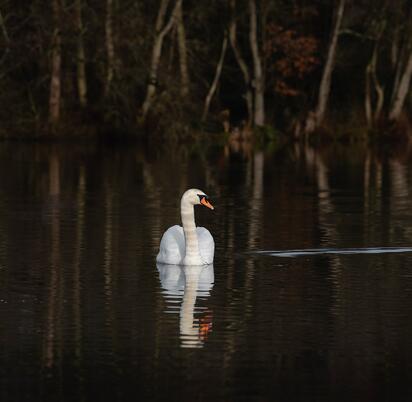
<point x="86" y="315"/>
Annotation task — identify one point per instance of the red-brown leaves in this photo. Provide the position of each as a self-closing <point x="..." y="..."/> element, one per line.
<point x="290" y="56"/>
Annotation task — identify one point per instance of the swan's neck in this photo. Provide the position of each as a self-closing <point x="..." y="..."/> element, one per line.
<point x="189" y="229"/>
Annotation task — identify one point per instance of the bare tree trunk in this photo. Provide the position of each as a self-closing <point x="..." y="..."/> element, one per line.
<point x="324" y="88"/>
<point x="81" y="62"/>
<point x="398" y="73"/>
<point x="109" y="46"/>
<point x="55" y="81"/>
<point x="401" y="91"/>
<point x="258" y="80"/>
<point x="215" y="81"/>
<point x="368" y="100"/>
<point x="399" y="52"/>
<point x="241" y="62"/>
<point x="315" y="119"/>
<point x="395" y="48"/>
<point x="161" y="15"/>
<point x="6" y="43"/>
<point x="172" y="46"/>
<point x="161" y="32"/>
<point x="380" y="97"/>
<point x="3" y="28"/>
<point x="181" y="39"/>
<point x="372" y="116"/>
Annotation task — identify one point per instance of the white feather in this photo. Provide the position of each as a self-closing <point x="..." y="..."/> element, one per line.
<point x="187" y="245"/>
<point x="173" y="246"/>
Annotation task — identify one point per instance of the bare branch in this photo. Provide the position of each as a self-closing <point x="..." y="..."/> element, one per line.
<point x="215" y="81"/>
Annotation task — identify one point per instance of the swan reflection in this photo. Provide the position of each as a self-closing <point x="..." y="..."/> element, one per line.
<point x="181" y="286"/>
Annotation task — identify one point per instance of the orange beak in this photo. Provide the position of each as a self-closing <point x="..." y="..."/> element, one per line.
<point x="206" y="203"/>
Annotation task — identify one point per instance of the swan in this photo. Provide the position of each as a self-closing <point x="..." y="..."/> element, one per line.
<point x="188" y="245"/>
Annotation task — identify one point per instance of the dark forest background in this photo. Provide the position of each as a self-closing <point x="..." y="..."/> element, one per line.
<point x="171" y="68"/>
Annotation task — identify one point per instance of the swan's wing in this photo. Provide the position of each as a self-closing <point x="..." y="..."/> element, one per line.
<point x="206" y="245"/>
<point x="172" y="246"/>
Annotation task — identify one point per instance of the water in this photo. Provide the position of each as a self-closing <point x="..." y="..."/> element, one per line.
<point x="87" y="315"/>
<point x="337" y="251"/>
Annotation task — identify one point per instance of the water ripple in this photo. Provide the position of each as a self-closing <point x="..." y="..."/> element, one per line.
<point x="321" y="251"/>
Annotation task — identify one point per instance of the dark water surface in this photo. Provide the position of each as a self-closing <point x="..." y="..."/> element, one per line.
<point x="86" y="315"/>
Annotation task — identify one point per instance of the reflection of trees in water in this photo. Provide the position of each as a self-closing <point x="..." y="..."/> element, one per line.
<point x="77" y="276"/>
<point x="384" y="198"/>
<point x="384" y="184"/>
<point x="109" y="271"/>
<point x="258" y="202"/>
<point x="326" y="220"/>
<point x="399" y="206"/>
<point x="54" y="301"/>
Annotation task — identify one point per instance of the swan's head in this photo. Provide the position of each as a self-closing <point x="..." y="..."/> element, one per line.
<point x="196" y="197"/>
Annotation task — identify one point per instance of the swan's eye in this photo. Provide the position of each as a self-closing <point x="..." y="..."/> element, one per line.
<point x="201" y="196"/>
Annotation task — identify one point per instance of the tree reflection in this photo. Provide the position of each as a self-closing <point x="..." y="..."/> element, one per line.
<point x="90" y="222"/>
<point x="53" y="299"/>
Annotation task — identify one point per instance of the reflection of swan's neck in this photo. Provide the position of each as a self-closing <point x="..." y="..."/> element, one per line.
<point x="189" y="229"/>
<point x="195" y="281"/>
<point x="189" y="301"/>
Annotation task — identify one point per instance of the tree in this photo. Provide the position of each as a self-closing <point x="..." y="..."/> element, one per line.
<point x="373" y="113"/>
<point x="5" y="37"/>
<point x="258" y="78"/>
<point x="81" y="62"/>
<point x="403" y="69"/>
<point x="241" y="61"/>
<point x="216" y="78"/>
<point x="315" y="118"/>
<point x="109" y="46"/>
<point x="290" y="56"/>
<point x="181" y="39"/>
<point x="402" y="90"/>
<point x="374" y="91"/>
<point x="162" y="30"/>
<point x="55" y="80"/>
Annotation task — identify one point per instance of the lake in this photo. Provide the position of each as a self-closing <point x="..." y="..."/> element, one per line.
<point x="309" y="297"/>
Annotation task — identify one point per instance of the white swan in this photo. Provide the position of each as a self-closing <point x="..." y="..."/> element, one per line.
<point x="189" y="245"/>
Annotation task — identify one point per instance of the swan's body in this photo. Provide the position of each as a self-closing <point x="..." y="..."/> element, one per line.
<point x="173" y="247"/>
<point x="188" y="245"/>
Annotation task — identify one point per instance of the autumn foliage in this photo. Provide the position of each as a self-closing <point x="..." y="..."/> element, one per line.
<point x="290" y="57"/>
